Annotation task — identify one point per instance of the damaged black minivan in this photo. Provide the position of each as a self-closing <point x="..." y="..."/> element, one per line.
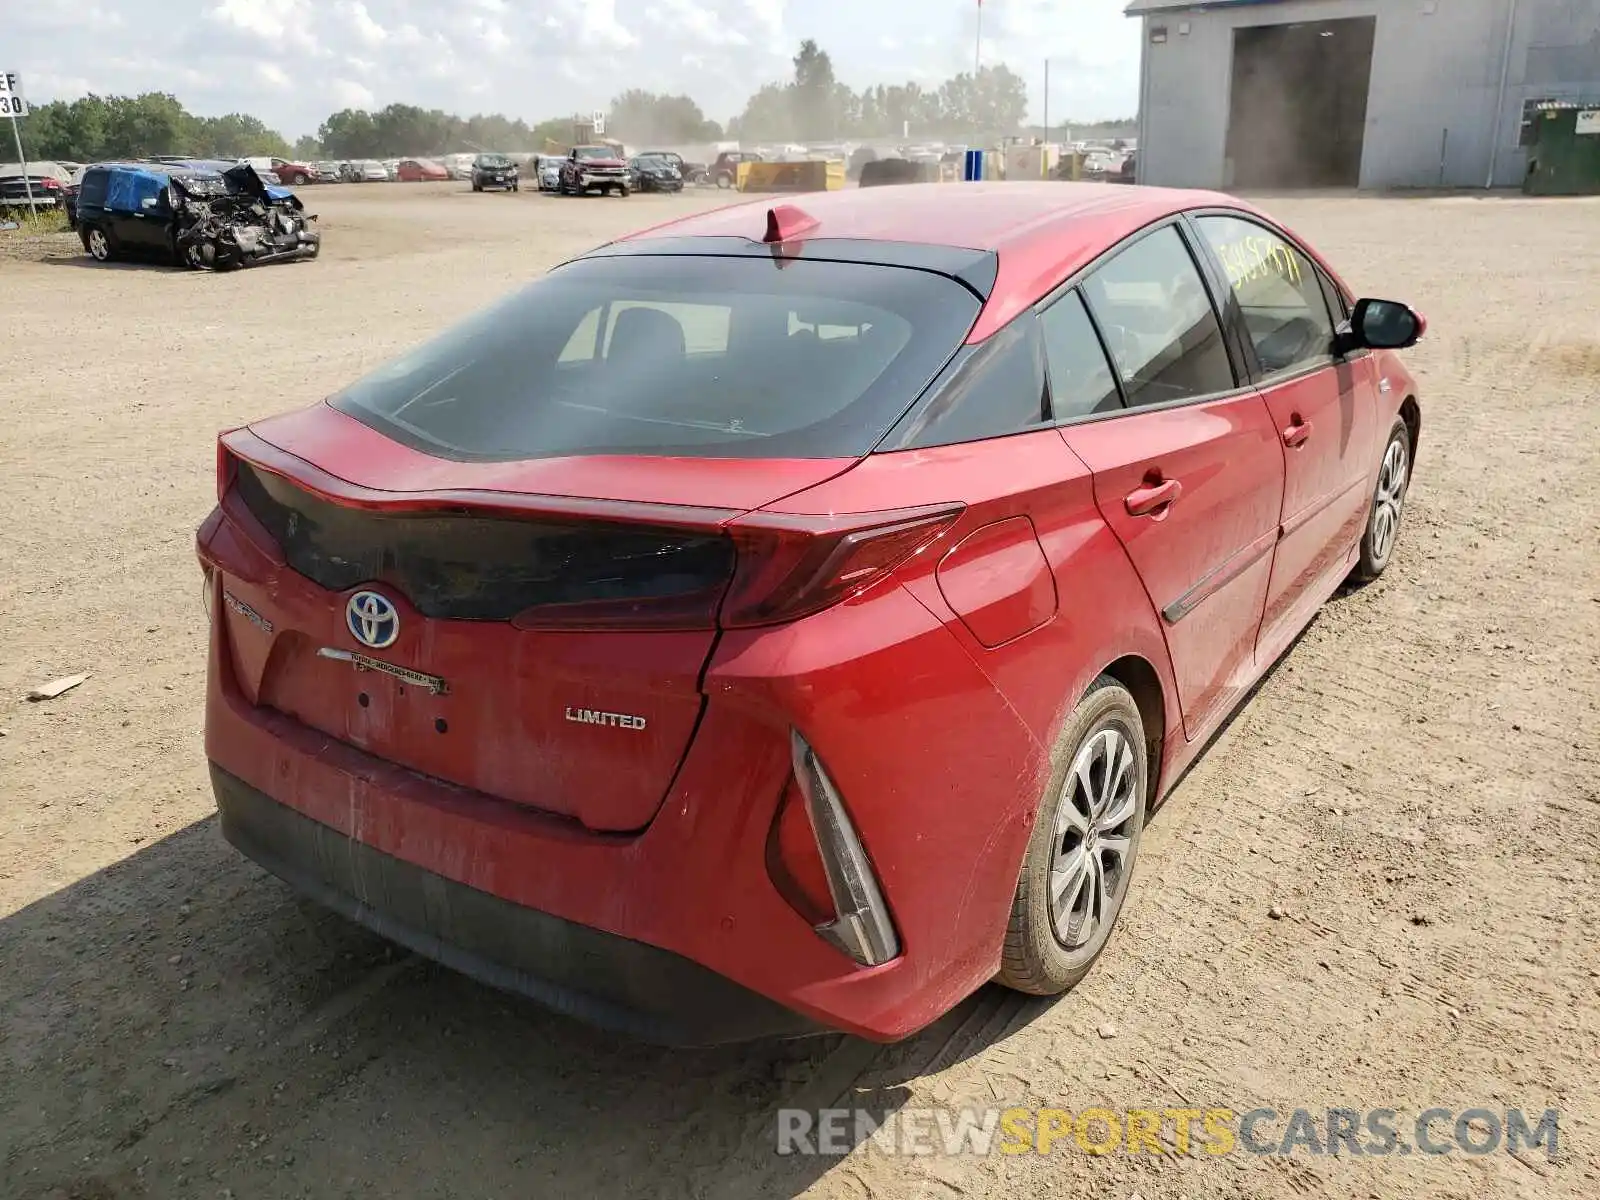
<point x="212" y="220"/>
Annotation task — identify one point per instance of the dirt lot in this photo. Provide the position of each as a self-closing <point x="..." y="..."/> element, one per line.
<point x="1416" y="788"/>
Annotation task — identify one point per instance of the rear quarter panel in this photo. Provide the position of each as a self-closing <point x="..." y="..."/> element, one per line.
<point x="939" y="735"/>
<point x="1101" y="610"/>
<point x="929" y="757"/>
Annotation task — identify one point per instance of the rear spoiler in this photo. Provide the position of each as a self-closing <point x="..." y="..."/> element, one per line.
<point x="976" y="270"/>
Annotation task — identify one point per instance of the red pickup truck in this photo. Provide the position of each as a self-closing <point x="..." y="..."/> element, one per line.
<point x="594" y="169"/>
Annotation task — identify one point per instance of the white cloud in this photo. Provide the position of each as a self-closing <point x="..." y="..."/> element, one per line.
<point x="492" y="37"/>
<point x="346" y="93"/>
<point x="768" y="14"/>
<point x="699" y="24"/>
<point x="540" y="58"/>
<point x="276" y="22"/>
<point x="598" y="24"/>
<point x="360" y="21"/>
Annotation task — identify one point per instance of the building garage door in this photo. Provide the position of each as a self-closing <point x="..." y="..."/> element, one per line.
<point x="1298" y="108"/>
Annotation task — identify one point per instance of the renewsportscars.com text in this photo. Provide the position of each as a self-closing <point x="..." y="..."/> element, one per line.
<point x="1209" y="1131"/>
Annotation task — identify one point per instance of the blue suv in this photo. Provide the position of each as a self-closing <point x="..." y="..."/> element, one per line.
<point x="203" y="215"/>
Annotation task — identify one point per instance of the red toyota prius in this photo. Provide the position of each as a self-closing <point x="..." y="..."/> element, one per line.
<point x="785" y="618"/>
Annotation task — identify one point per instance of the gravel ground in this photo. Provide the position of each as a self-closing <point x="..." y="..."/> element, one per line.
<point x="1377" y="889"/>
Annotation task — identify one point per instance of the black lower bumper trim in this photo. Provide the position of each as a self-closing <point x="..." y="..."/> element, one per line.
<point x="596" y="977"/>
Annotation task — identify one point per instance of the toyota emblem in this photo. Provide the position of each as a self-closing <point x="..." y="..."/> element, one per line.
<point x="372" y="619"/>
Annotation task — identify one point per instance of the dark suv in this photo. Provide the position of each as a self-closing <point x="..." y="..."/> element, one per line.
<point x="190" y="214"/>
<point x="495" y="171"/>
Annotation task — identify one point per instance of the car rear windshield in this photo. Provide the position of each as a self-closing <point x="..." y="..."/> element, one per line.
<point x="726" y="357"/>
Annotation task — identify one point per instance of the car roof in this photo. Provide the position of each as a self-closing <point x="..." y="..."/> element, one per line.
<point x="43" y="166"/>
<point x="154" y="170"/>
<point x="1042" y="232"/>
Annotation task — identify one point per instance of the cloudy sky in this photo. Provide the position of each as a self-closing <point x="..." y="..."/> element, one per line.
<point x="292" y="62"/>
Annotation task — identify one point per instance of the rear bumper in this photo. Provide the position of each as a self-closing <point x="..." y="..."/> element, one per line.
<point x="41" y="200"/>
<point x="539" y="904"/>
<point x="605" y="980"/>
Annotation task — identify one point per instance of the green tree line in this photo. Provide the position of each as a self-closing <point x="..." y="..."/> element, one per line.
<point x="812" y="105"/>
<point x="104" y="127"/>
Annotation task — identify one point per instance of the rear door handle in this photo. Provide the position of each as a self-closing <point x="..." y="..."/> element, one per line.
<point x="1142" y="502"/>
<point x="1297" y="432"/>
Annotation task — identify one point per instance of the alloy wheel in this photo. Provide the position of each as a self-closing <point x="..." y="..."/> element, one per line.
<point x="99" y="248"/>
<point x="1389" y="499"/>
<point x="1089" y="866"/>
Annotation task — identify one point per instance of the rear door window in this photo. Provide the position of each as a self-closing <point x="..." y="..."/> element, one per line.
<point x="677" y="355"/>
<point x="1081" y="382"/>
<point x="93" y="189"/>
<point x="1156" y="315"/>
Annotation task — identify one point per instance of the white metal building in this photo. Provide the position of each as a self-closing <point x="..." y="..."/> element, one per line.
<point x="1347" y="93"/>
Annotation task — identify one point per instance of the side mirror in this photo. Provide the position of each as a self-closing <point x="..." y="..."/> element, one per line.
<point x="1381" y="325"/>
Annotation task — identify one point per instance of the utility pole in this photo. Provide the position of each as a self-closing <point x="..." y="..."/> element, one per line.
<point x="977" y="54"/>
<point x="1047" y="102"/>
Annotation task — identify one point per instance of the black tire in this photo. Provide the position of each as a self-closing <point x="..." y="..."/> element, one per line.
<point x="1037" y="959"/>
<point x="624" y="192"/>
<point x="1386" y="506"/>
<point x="724" y="180"/>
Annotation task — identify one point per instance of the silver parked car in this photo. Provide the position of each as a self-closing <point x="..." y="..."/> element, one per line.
<point x="547" y="170"/>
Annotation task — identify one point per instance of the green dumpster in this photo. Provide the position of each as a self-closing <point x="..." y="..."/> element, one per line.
<point x="1563" y="141"/>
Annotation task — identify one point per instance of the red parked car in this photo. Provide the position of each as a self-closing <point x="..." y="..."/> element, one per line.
<point x="784" y="620"/>
<point x="421" y="170"/>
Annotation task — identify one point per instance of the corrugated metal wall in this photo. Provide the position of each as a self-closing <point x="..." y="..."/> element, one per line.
<point x="1436" y="67"/>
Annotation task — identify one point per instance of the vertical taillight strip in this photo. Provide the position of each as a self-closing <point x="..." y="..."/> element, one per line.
<point x="862" y="927"/>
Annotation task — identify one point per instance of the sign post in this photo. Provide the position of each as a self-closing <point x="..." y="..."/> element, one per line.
<point x="13" y="105"/>
<point x="599" y="123"/>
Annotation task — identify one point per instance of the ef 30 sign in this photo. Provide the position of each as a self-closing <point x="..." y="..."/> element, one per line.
<point x="11" y="102"/>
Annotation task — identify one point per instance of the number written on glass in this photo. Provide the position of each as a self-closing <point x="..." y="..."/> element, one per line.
<point x="1251" y="258"/>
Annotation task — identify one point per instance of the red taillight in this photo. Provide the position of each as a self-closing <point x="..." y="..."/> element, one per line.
<point x="794" y="863"/>
<point x="51" y="185"/>
<point x="792" y="566"/>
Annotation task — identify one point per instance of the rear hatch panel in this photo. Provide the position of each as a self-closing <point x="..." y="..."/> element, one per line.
<point x="586" y="723"/>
